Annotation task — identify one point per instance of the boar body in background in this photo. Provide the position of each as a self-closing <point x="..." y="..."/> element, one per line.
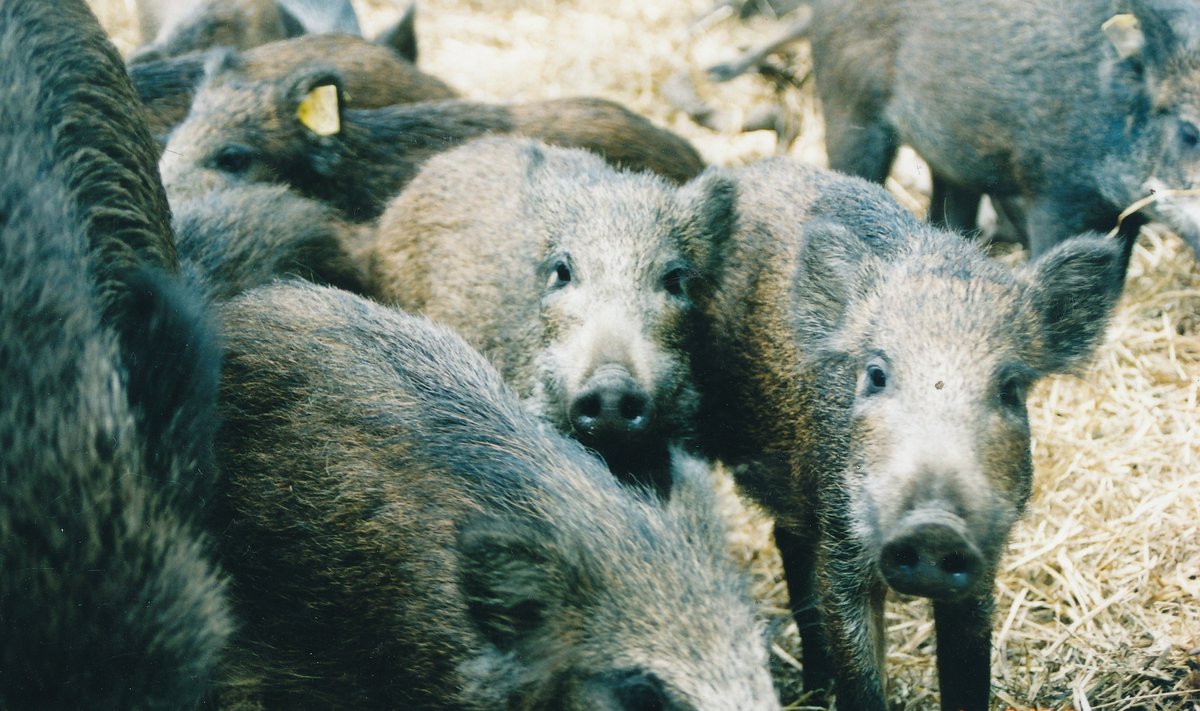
<point x="1063" y="120"/>
<point x="108" y="594"/>
<point x="404" y="534"/>
<point x="376" y="73"/>
<point x="243" y="237"/>
<point x="182" y="26"/>
<point x="241" y="130"/>
<point x="576" y="279"/>
<point x="865" y="378"/>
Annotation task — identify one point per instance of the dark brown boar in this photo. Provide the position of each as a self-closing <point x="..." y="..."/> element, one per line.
<point x="249" y="131"/>
<point x="865" y="376"/>
<point x="1061" y="116"/>
<point x="376" y="73"/>
<point x="576" y="279"/>
<point x="404" y="534"/>
<point x="109" y="597"/>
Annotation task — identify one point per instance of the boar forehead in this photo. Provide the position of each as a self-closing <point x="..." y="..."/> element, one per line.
<point x="945" y="324"/>
<point x="228" y="111"/>
<point x="617" y="235"/>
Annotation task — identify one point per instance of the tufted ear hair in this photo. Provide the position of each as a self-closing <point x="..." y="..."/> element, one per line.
<point x="513" y="578"/>
<point x="1073" y="289"/>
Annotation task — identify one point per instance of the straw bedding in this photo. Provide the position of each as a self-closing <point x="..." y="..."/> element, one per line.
<point x="1099" y="593"/>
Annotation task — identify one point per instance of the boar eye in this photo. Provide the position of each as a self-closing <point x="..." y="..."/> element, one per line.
<point x="560" y="275"/>
<point x="673" y="281"/>
<point x="877" y="378"/>
<point x="234" y="159"/>
<point x="1189" y="135"/>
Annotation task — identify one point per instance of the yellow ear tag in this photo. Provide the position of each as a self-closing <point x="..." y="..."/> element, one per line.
<point x="319" y="111"/>
<point x="1125" y="34"/>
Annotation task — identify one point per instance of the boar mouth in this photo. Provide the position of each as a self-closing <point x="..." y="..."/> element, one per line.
<point x="646" y="463"/>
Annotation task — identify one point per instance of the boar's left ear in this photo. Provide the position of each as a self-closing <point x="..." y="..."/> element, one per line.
<point x="710" y="205"/>
<point x="511" y="579"/>
<point x="1073" y="289"/>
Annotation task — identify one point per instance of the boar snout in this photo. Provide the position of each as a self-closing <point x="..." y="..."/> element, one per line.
<point x="931" y="555"/>
<point x="611" y="406"/>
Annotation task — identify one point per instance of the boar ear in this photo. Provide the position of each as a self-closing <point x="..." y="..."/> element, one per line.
<point x="710" y="207"/>
<point x="402" y="36"/>
<point x="510" y="579"/>
<point x="315" y="98"/>
<point x="1073" y="289"/>
<point x="833" y="265"/>
<point x="1125" y="34"/>
<point x="301" y="17"/>
<point x="1169" y="28"/>
<point x="292" y="25"/>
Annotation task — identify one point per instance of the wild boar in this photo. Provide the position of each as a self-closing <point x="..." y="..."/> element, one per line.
<point x="378" y="73"/>
<point x="404" y="534"/>
<point x="1063" y="113"/>
<point x="109" y="594"/>
<point x="576" y="279"/>
<point x="239" y="238"/>
<point x="865" y="375"/>
<point x="300" y="131"/>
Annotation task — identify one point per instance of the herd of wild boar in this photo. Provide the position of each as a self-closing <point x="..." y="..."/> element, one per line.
<point x="324" y="387"/>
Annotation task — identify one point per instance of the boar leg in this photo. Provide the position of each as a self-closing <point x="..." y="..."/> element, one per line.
<point x="953" y="207"/>
<point x="799" y="560"/>
<point x="964" y="647"/>
<point x="859" y="142"/>
<point x="1010" y="221"/>
<point x="852" y="608"/>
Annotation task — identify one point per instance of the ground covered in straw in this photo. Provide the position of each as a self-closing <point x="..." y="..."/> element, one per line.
<point x="1099" y="594"/>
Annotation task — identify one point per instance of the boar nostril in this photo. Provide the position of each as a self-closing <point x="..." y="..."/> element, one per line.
<point x="633" y="409"/>
<point x="587" y="406"/>
<point x="955" y="564"/>
<point x="906" y="557"/>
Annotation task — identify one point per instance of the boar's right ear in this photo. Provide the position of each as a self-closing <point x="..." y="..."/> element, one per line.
<point x="402" y="36"/>
<point x="510" y="578"/>
<point x="1073" y="289"/>
<point x="710" y="205"/>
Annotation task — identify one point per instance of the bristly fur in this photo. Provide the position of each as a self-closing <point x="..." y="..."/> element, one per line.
<point x="108" y="597"/>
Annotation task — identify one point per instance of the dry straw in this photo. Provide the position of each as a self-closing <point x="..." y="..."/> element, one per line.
<point x="1099" y="594"/>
